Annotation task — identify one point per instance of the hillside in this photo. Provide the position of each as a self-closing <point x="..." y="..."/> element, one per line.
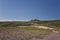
<point x="17" y="30"/>
<point x="52" y="23"/>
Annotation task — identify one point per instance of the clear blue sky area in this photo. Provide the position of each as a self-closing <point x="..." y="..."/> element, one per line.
<point x="29" y="9"/>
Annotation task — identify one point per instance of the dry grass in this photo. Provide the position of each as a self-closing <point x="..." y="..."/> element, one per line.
<point x="22" y="33"/>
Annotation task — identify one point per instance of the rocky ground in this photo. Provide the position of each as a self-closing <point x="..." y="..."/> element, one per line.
<point x="20" y="34"/>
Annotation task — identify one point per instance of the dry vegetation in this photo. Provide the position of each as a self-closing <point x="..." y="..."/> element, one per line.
<point x="17" y="31"/>
<point x="22" y="33"/>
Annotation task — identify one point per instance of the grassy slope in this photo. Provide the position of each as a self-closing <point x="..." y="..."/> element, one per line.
<point x="10" y="24"/>
<point x="51" y="23"/>
<point x="54" y="23"/>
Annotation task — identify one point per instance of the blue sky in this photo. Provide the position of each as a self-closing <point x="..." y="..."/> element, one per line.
<point x="29" y="9"/>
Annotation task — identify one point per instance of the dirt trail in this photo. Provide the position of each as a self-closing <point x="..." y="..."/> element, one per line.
<point x="55" y="35"/>
<point x="43" y="27"/>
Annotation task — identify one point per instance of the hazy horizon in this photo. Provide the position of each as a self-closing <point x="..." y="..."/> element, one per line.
<point x="24" y="10"/>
